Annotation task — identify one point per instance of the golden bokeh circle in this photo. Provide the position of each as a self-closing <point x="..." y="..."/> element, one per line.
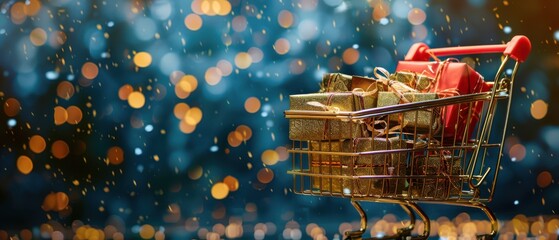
<point x="252" y="104"/>
<point x="24" y="164"/>
<point x="285" y="19"/>
<point x="12" y="107"/>
<point x="193" y="22"/>
<point x="213" y="76"/>
<point x="75" y="115"/>
<point x="62" y="201"/>
<point x="142" y="59"/>
<point x="243" y="60"/>
<point x="60" y="115"/>
<point x="350" y="56"/>
<point x="232" y="183"/>
<point x="245" y="132"/>
<point x="115" y="155"/>
<point x="124" y="91"/>
<point x="37" y="144"/>
<point x="195" y="173"/>
<point x="270" y="157"/>
<point x="220" y="190"/>
<point x="193" y="116"/>
<point x="538" y="109"/>
<point x="265" y="175"/>
<point x="38" y="37"/>
<point x="147" y="231"/>
<point x="234" y="139"/>
<point x="180" y="110"/>
<point x="282" y="46"/>
<point x="65" y="90"/>
<point x="60" y="149"/>
<point x="136" y="100"/>
<point x="544" y="179"/>
<point x="90" y="70"/>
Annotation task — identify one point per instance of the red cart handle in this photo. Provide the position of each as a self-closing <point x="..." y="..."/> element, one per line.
<point x="518" y="49"/>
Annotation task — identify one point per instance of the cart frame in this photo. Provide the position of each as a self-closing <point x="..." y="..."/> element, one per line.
<point x="478" y="160"/>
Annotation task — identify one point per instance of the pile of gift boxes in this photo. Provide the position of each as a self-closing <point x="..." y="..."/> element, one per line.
<point x="380" y="146"/>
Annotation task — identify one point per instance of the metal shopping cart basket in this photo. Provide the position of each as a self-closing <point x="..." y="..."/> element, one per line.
<point x="407" y="165"/>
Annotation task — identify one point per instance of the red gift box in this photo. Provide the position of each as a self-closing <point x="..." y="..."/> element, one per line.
<point x="451" y="79"/>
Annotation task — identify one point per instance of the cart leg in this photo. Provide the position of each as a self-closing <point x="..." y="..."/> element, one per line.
<point x="358" y="235"/>
<point x="424" y="218"/>
<point x="406" y="231"/>
<point x="492" y="218"/>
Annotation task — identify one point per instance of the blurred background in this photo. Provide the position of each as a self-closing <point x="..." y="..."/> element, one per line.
<point x="164" y="119"/>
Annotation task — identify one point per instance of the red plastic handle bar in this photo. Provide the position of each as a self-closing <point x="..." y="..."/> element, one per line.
<point x="518" y="49"/>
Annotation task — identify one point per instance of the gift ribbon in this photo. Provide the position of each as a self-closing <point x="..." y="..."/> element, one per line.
<point x="397" y="87"/>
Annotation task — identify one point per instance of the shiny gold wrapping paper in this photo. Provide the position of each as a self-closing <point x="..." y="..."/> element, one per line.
<point x="381" y="164"/>
<point x="338" y="82"/>
<point x="443" y="181"/>
<point x="327" y="183"/>
<point x="375" y="164"/>
<point x="426" y="119"/>
<point x="319" y="129"/>
<point x="414" y="80"/>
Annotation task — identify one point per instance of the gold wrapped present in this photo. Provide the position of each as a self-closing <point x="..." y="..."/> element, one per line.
<point x="336" y="178"/>
<point x="325" y="129"/>
<point x="414" y="80"/>
<point x="326" y="162"/>
<point x="387" y="164"/>
<point x="421" y="120"/>
<point x="338" y="82"/>
<point x="442" y="176"/>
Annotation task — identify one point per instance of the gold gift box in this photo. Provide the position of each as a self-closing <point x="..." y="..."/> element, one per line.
<point x="337" y="179"/>
<point x="414" y="80"/>
<point x="443" y="176"/>
<point x="338" y="82"/>
<point x="421" y="120"/>
<point x="327" y="163"/>
<point x="329" y="129"/>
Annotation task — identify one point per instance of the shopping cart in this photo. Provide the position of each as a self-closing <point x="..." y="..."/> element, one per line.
<point x="426" y="167"/>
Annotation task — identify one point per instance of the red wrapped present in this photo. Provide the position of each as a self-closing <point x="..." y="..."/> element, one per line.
<point x="452" y="79"/>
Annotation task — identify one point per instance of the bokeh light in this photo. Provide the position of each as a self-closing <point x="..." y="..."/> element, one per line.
<point x="24" y="165"/>
<point x="544" y="179"/>
<point x="350" y="56"/>
<point x="193" y="22"/>
<point x="60" y="115"/>
<point x="416" y="16"/>
<point x="285" y="19"/>
<point x="90" y="70"/>
<point x="538" y="109"/>
<point x="142" y="59"/>
<point x="12" y="107"/>
<point x="60" y="149"/>
<point x="38" y="37"/>
<point x="220" y="191"/>
<point x="252" y="105"/>
<point x="136" y="100"/>
<point x="65" y="90"/>
<point x="243" y="60"/>
<point x="37" y="144"/>
<point x="125" y="91"/>
<point x="270" y="157"/>
<point x="281" y="46"/>
<point x="115" y="155"/>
